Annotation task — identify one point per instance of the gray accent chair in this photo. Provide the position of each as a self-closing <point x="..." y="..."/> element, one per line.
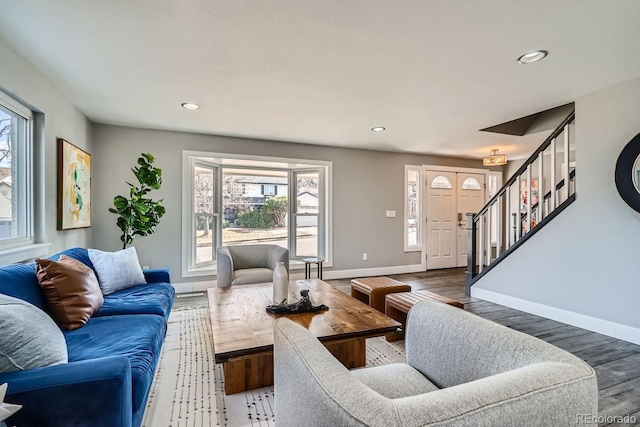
<point x="245" y="264"/>
<point x="460" y="370"/>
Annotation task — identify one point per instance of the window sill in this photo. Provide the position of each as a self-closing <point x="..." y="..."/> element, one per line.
<point x="209" y="270"/>
<point x="212" y="269"/>
<point x="23" y="253"/>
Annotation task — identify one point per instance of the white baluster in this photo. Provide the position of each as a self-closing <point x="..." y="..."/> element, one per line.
<point x="554" y="197"/>
<point x="566" y="161"/>
<point x="540" y="187"/>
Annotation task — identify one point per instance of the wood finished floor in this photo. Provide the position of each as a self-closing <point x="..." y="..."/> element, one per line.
<point x="617" y="362"/>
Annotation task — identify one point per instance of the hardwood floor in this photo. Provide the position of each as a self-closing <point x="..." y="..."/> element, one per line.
<point x="617" y="362"/>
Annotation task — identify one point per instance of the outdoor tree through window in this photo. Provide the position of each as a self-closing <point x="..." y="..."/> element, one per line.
<point x="15" y="172"/>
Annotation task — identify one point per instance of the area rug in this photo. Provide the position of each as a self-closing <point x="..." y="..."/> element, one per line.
<point x="188" y="389"/>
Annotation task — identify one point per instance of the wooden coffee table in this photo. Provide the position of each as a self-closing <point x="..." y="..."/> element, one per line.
<point x="243" y="330"/>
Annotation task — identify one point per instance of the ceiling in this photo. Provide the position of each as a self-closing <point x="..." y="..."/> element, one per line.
<point x="433" y="72"/>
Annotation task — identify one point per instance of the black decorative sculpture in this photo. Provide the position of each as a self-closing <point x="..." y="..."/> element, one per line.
<point x="303" y="306"/>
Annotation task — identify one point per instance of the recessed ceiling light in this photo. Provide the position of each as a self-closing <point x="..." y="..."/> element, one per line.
<point x="377" y="129"/>
<point x="533" y="56"/>
<point x="190" y="105"/>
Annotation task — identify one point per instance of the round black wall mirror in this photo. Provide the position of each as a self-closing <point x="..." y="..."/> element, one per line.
<point x="627" y="173"/>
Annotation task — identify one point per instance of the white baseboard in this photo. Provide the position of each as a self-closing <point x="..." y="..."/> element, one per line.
<point x="188" y="287"/>
<point x="601" y="326"/>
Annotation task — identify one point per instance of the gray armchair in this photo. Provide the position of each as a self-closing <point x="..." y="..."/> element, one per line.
<point x="460" y="370"/>
<point x="244" y="264"/>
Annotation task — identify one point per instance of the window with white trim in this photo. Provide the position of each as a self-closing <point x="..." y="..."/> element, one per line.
<point x="16" y="174"/>
<point x="412" y="197"/>
<point x="235" y="200"/>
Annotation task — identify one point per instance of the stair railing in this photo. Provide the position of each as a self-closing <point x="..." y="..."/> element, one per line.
<point x="515" y="213"/>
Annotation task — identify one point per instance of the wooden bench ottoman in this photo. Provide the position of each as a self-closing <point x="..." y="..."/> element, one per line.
<point x="398" y="305"/>
<point x="372" y="290"/>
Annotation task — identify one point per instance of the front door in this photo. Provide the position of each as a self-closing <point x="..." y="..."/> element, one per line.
<point x="449" y="196"/>
<point x="441" y="220"/>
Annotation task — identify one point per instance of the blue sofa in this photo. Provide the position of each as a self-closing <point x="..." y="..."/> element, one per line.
<point x="112" y="359"/>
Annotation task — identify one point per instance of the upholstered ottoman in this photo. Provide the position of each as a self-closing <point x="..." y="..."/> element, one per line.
<point x="372" y="290"/>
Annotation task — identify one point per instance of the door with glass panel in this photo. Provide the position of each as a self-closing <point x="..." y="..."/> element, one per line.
<point x="441" y="220"/>
<point x="448" y="197"/>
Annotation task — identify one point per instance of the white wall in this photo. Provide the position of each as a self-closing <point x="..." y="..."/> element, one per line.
<point x="61" y="119"/>
<point x="365" y="185"/>
<point x="582" y="267"/>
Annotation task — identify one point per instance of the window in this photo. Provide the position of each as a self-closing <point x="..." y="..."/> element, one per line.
<point x="236" y="200"/>
<point x="268" y="190"/>
<point x="412" y="197"/>
<point x="307" y="208"/>
<point x="441" y="181"/>
<point x="471" y="184"/>
<point x="16" y="142"/>
<point x="205" y="213"/>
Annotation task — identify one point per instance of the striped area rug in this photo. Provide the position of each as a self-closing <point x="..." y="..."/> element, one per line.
<point x="188" y="389"/>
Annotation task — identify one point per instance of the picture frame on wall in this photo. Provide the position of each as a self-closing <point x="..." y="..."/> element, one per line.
<point x="74" y="186"/>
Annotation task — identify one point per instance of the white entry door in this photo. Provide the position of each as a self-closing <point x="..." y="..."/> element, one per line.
<point x="448" y="197"/>
<point x="471" y="191"/>
<point x="441" y="220"/>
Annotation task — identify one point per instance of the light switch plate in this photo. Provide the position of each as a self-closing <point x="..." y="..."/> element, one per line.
<point x="391" y="214"/>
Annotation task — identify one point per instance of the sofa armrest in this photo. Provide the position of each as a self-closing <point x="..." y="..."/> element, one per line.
<point x="93" y="392"/>
<point x="224" y="267"/>
<point x="158" y="275"/>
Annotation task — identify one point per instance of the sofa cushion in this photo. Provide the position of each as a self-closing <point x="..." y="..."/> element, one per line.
<point x="395" y="380"/>
<point x="71" y="290"/>
<point x="19" y="281"/>
<point x="117" y="270"/>
<point x="81" y="254"/>
<point x="29" y="338"/>
<point x="252" y="275"/>
<point x="152" y="298"/>
<point x="138" y="337"/>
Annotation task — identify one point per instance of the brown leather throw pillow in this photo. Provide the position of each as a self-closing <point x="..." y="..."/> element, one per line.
<point x="71" y="290"/>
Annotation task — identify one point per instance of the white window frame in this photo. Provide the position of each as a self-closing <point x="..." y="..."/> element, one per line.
<point x="23" y="248"/>
<point x="293" y="214"/>
<point x="419" y="245"/>
<point x="215" y="169"/>
<point x="188" y="156"/>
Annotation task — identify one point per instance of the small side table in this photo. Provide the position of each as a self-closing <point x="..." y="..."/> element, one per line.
<point x="307" y="266"/>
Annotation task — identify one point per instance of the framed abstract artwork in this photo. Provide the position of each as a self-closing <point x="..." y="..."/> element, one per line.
<point x="74" y="186"/>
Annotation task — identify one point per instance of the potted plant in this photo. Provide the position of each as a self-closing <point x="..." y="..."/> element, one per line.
<point x="139" y="215"/>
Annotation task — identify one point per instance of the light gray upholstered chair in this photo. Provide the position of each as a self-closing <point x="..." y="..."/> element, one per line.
<point x="245" y="264"/>
<point x="461" y="370"/>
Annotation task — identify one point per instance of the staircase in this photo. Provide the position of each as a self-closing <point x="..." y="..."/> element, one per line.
<point x="516" y="212"/>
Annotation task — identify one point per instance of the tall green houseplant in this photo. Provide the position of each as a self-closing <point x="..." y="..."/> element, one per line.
<point x="139" y="215"/>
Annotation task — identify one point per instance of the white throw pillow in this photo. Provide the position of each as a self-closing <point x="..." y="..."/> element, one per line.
<point x="117" y="270"/>
<point x="29" y="337"/>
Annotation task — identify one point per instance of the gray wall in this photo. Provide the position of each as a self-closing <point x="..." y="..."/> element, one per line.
<point x="585" y="261"/>
<point x="61" y="119"/>
<point x="365" y="184"/>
